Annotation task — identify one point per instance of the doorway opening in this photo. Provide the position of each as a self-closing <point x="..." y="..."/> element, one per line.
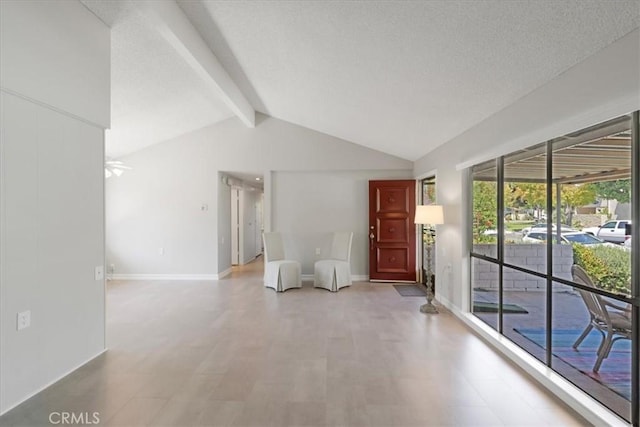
<point x="247" y="216"/>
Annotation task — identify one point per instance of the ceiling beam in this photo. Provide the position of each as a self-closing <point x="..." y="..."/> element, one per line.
<point x="176" y="28"/>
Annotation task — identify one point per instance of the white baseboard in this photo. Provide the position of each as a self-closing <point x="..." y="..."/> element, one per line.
<point x="592" y="410"/>
<point x="221" y="275"/>
<point x="166" y="276"/>
<point x="224" y="274"/>
<point x="448" y="305"/>
<point x="355" y="278"/>
<point x="52" y="382"/>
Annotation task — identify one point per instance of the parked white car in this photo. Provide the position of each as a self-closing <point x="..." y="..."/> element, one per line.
<point x="542" y="227"/>
<point x="566" y="238"/>
<point x="611" y="231"/>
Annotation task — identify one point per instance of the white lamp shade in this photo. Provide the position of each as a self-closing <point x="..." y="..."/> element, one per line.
<point x="429" y="214"/>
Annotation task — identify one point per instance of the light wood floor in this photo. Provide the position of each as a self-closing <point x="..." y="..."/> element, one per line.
<point x="232" y="353"/>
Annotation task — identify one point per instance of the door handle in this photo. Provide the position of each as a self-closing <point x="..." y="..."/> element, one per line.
<point x="371" y="237"/>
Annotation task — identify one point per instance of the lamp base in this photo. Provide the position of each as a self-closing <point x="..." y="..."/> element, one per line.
<point x="429" y="308"/>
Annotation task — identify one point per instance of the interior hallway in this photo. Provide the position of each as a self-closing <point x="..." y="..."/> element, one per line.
<point x="233" y="353"/>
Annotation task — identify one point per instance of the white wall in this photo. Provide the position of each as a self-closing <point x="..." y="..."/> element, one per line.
<point x="55" y="55"/>
<point x="592" y="91"/>
<point x="51" y="198"/>
<point x="309" y="206"/>
<point x="158" y="202"/>
<point x="155" y="222"/>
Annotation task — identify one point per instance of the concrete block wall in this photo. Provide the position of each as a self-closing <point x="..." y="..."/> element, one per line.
<point x="529" y="256"/>
<point x="589" y="220"/>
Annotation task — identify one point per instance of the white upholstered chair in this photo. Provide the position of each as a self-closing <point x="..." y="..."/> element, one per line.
<point x="335" y="273"/>
<point x="279" y="273"/>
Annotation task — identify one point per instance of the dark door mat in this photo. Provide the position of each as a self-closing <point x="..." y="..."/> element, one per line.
<point x="410" y="290"/>
<point x="492" y="307"/>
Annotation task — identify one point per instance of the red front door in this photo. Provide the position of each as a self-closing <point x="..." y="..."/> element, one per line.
<point x="392" y="233"/>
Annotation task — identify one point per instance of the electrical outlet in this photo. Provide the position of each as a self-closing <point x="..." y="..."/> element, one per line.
<point x="99" y="274"/>
<point x="318" y="251"/>
<point x="23" y="320"/>
<point x="112" y="268"/>
<point x="160" y="251"/>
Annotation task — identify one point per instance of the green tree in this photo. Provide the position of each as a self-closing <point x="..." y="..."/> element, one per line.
<point x="485" y="209"/>
<point x="574" y="196"/>
<point x="527" y="195"/>
<point x="619" y="190"/>
<point x="534" y="196"/>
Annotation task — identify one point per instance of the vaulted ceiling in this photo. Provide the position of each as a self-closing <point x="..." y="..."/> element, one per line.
<point x="395" y="76"/>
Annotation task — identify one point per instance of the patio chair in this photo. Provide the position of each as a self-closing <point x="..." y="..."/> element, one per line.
<point x="612" y="321"/>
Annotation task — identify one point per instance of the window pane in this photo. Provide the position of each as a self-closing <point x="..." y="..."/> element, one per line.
<point x="524" y="311"/>
<point x="592" y="177"/>
<point x="525" y="208"/>
<point x="485" y="291"/>
<point x="592" y="195"/>
<point x="428" y="233"/>
<point x="611" y="385"/>
<point x="485" y="209"/>
<point x="429" y="191"/>
<point x="592" y="186"/>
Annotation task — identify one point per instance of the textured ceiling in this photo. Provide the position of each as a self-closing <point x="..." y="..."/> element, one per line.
<point x="397" y="76"/>
<point x="401" y="77"/>
<point x="155" y="95"/>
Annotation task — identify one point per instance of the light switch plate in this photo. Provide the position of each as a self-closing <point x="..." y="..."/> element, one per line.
<point x="100" y="272"/>
<point x="23" y="320"/>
